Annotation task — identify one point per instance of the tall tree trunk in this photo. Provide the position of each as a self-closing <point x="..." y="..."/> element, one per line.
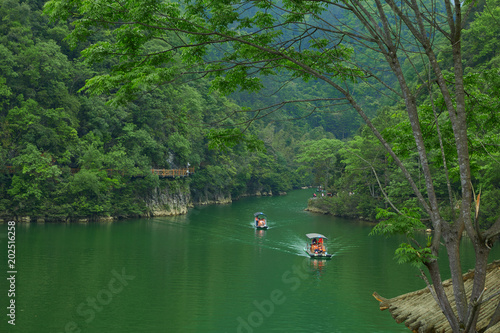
<point x="444" y="303"/>
<point x="452" y="242"/>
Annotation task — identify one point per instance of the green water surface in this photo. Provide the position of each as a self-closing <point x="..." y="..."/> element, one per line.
<point x="207" y="271"/>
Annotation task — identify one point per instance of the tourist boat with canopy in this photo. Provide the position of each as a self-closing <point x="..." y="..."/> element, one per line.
<point x="316" y="248"/>
<point x="260" y="220"/>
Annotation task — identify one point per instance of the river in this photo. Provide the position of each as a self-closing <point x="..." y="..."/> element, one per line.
<point x="207" y="271"/>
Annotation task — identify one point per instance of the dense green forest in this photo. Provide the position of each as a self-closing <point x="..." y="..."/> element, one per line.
<point x="272" y="86"/>
<point x="362" y="170"/>
<point x="49" y="125"/>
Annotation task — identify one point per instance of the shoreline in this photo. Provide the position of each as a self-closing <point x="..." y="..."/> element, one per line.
<point x="155" y="211"/>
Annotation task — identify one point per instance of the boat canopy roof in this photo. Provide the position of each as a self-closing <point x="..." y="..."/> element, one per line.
<point x="315" y="235"/>
<point x="259" y="213"/>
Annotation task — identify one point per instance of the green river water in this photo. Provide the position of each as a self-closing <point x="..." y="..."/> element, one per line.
<point x="207" y="271"/>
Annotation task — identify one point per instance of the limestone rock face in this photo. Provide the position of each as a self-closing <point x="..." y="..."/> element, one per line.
<point x="211" y="198"/>
<point x="168" y="202"/>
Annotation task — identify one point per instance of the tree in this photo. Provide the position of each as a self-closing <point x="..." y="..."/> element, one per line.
<point x="36" y="179"/>
<point x="406" y="50"/>
<point x="481" y="40"/>
<point x="322" y="154"/>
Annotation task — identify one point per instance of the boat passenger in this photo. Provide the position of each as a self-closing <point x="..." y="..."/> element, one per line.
<point x="321" y="247"/>
<point x="314" y="246"/>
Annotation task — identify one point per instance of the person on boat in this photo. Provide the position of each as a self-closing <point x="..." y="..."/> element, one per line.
<point x="321" y="247"/>
<point x="314" y="246"/>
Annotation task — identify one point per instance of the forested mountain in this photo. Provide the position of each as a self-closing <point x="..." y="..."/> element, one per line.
<point x="180" y="77"/>
<point x="49" y="125"/>
<point x="357" y="192"/>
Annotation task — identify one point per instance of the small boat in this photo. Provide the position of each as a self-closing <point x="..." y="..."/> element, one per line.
<point x="260" y="220"/>
<point x="316" y="248"/>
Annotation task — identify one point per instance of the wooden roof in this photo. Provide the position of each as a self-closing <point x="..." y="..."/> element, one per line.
<point x="420" y="312"/>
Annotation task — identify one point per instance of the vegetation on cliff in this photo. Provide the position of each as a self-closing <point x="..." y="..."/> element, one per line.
<point x="49" y="127"/>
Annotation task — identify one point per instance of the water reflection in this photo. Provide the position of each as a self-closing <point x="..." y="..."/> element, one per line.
<point x="317" y="266"/>
<point x="202" y="271"/>
<point x="259" y="233"/>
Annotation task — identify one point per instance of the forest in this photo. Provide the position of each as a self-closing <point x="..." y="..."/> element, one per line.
<point x="390" y="106"/>
<point x="48" y="127"/>
<point x="51" y="124"/>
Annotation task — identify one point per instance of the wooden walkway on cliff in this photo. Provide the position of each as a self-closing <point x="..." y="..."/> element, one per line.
<point x="162" y="173"/>
<point x="173" y="172"/>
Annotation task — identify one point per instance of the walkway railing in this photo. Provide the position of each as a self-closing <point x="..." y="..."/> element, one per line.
<point x="173" y="172"/>
<point x="162" y="173"/>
